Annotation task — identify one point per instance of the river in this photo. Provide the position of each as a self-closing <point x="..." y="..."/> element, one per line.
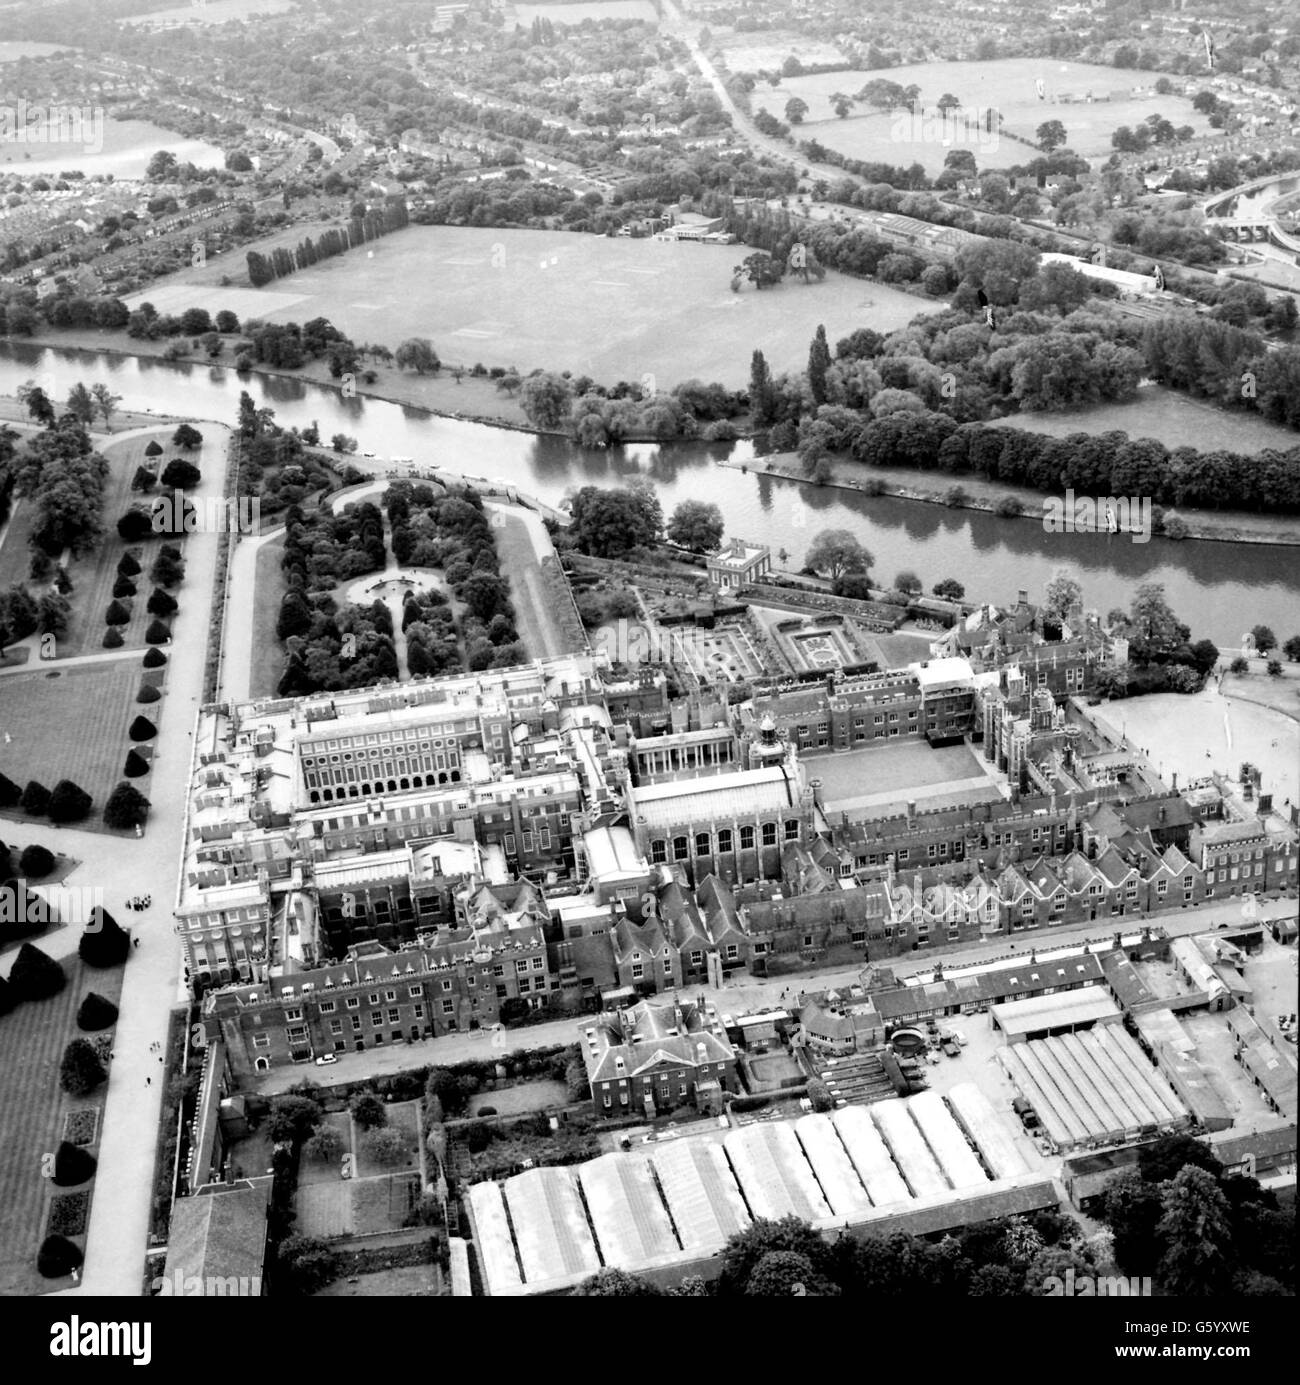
<point x="1220" y="589"/>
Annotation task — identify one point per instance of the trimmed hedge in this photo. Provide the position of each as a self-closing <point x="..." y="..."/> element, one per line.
<point x="57" y="1257"/>
<point x="96" y="1012"/>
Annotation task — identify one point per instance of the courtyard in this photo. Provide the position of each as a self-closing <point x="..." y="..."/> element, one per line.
<point x="902" y="772"/>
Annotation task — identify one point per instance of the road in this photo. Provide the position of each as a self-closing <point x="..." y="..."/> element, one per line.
<point x="740" y="996"/>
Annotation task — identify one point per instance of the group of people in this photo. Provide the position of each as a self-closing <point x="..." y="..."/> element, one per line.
<point x="140" y="902"/>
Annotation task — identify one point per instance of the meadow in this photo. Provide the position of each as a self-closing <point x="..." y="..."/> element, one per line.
<point x="128" y="145"/>
<point x="1009" y="85"/>
<point x="648" y="311"/>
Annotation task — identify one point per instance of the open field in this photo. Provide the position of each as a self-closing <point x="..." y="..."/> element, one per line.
<point x="582" y="9"/>
<point x="33" y="1038"/>
<point x="1007" y="84"/>
<point x="765" y="51"/>
<point x="212" y="12"/>
<point x="649" y="311"/>
<point x="521" y="1098"/>
<point x="1175" y="419"/>
<point x="128" y="145"/>
<point x="518" y="535"/>
<point x="71" y="724"/>
<point x="268" y="654"/>
<point x="423" y="1281"/>
<point x="11" y="52"/>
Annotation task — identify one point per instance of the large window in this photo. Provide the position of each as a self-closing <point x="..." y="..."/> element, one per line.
<point x="747" y="839"/>
<point x="702" y="843"/>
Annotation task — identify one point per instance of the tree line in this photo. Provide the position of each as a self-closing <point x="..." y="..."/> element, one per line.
<point x="334" y="241"/>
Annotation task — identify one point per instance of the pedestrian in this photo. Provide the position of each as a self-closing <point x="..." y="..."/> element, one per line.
<point x="135" y="942"/>
<point x="160" y="1057"/>
<point x="148" y="1082"/>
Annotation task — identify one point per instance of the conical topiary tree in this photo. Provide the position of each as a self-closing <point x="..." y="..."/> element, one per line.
<point x="128" y="565"/>
<point x="22" y="913"/>
<point x="148" y="693"/>
<point x="36" y="862"/>
<point x="157" y="633"/>
<point x="113" y="638"/>
<point x="96" y="1012"/>
<point x="142" y="729"/>
<point x="104" y="943"/>
<point x="57" y="1256"/>
<point x="35" y="799"/>
<point x="154" y="658"/>
<point x="69" y="802"/>
<point x="73" y="1165"/>
<point x="123" y="587"/>
<point x="154" y="448"/>
<point x="160" y="603"/>
<point x="34" y="976"/>
<point x="126" y="807"/>
<point x="118" y="613"/>
<point x="10" y="793"/>
<point x="136" y="765"/>
<point x="81" y="1071"/>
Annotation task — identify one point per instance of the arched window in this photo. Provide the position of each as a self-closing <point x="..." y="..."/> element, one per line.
<point x="702" y="843"/>
<point x="724" y="840"/>
<point x="769" y="834"/>
<point x="681" y="848"/>
<point x="658" y="851"/>
<point x="747" y="839"/>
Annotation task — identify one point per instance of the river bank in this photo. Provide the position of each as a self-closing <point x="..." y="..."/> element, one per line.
<point x="476" y="399"/>
<point x="904" y="484"/>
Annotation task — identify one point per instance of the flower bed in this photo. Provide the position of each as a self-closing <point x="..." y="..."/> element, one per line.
<point x="69" y="1213"/>
<point x="81" y="1127"/>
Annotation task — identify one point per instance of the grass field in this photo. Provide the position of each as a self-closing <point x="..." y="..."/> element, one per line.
<point x="71" y="724"/>
<point x="1175" y="419"/>
<point x="268" y="653"/>
<point x="903" y="766"/>
<point x="1009" y="85"/>
<point x="643" y="310"/>
<point x="580" y="10"/>
<point x="535" y="619"/>
<point x="32" y="1039"/>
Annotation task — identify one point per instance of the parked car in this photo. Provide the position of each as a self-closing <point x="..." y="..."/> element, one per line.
<point x="951" y="1047"/>
<point x="326" y="1059"/>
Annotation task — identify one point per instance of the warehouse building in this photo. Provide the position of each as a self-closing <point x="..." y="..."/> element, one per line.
<point x="1041" y="1016"/>
<point x="986" y="1131"/>
<point x="669" y="1211"/>
<point x="1174" y="1052"/>
<point x="1093" y="1089"/>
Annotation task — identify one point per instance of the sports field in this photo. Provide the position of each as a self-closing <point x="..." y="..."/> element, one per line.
<point x="1008" y="84"/>
<point x="648" y="311"/>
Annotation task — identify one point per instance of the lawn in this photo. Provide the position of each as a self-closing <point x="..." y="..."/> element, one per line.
<point x="648" y="311"/>
<point x="268" y="653"/>
<point x="1007" y="84"/>
<point x="35" y="1112"/>
<point x="536" y="618"/>
<point x="1175" y="419"/>
<point x="403" y="1116"/>
<point x="71" y="723"/>
<point x="522" y="1098"/>
<point x="905" y="765"/>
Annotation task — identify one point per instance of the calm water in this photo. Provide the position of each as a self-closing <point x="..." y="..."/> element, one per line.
<point x="1221" y="590"/>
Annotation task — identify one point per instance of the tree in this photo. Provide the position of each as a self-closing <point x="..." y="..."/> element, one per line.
<point x="387" y="1146"/>
<point x="1051" y="134"/>
<point x="1196" y="1231"/>
<point x="417" y="354"/>
<point x="34" y="976"/>
<point x="368" y="1111"/>
<point x="746" y="1249"/>
<point x="39" y="407"/>
<point x="1292" y="649"/>
<point x="795" y="110"/>
<point x="142" y="729"/>
<point x="786" y="1274"/>
<point x="820" y="1096"/>
<point x="96" y="1012"/>
<point x="293" y="1118"/>
<point x="126" y="807"/>
<point x="157" y="633"/>
<point x="81" y="1071"/>
<point x="835" y="552"/>
<point x="1163" y="1159"/>
<point x="696" y="525"/>
<point x="762" y="396"/>
<point x="105" y="943"/>
<point x="908" y="583"/>
<point x="10" y="793"/>
<point x="819" y="361"/>
<point x="616" y="1283"/>
<point x="545" y="398"/>
<point x="135" y="525"/>
<point x="949" y="589"/>
<point x="55" y="613"/>
<point x="306" y="1265"/>
<point x="1153" y="628"/>
<point x="1265" y="639"/>
<point x="325" y="1146"/>
<point x="180" y="474"/>
<point x="608" y="523"/>
<point x="135" y="766"/>
<point x="160" y="603"/>
<point x="81" y="404"/>
<point x="36" y="862"/>
<point x="72" y="1165"/>
<point x="57" y="1257"/>
<point x="106" y="402"/>
<point x="35" y="801"/>
<point x="1131" y="1208"/>
<point x="69" y="802"/>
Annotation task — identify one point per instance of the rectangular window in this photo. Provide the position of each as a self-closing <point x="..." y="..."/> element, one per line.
<point x="327" y="1007"/>
<point x="416" y="990"/>
<point x="447" y="1007"/>
<point x="638" y="971"/>
<point x="336" y="1026"/>
<point x="376" y="1018"/>
<point x="394" y="1016"/>
<point x="353" y="1002"/>
<point x="261" y="1041"/>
